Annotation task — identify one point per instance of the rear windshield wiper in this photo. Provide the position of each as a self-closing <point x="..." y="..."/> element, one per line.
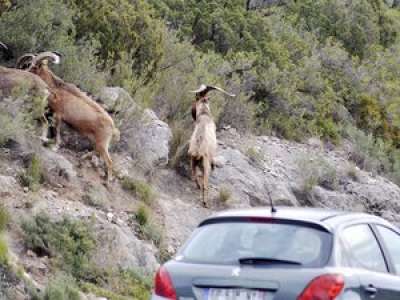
<point x="265" y="260"/>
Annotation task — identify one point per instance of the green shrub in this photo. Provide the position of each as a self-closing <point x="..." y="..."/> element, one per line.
<point x="47" y="26"/>
<point x="3" y="251"/>
<point x="121" y="285"/>
<point x="32" y="177"/>
<point x="180" y="136"/>
<point x="61" y="288"/>
<point x="367" y="152"/>
<point x="95" y="197"/>
<point x="68" y="243"/>
<point x="121" y="26"/>
<point x="152" y="232"/>
<point x="225" y="194"/>
<point x="142" y="215"/>
<point x="317" y="171"/>
<point x="140" y="189"/>
<point x="238" y="113"/>
<point x="353" y="173"/>
<point x="255" y="156"/>
<point x="4" y="218"/>
<point x="8" y="128"/>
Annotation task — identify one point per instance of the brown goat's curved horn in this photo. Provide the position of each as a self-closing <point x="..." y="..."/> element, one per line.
<point x="46" y="55"/>
<point x="24" y="60"/>
<point x="4" y="46"/>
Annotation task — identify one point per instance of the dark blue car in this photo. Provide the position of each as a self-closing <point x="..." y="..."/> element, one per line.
<point x="293" y="254"/>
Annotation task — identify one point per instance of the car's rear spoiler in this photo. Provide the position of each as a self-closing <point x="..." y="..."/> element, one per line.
<point x="243" y="219"/>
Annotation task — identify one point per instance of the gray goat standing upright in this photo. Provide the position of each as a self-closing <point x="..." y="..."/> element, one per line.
<point x="203" y="142"/>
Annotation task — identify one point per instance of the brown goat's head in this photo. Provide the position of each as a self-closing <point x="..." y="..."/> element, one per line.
<point x="33" y="63"/>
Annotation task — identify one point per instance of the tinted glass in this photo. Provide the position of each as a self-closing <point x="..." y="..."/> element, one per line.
<point x="364" y="248"/>
<point x="392" y="243"/>
<point x="225" y="243"/>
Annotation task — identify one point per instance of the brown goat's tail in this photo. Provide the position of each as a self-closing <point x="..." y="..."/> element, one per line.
<point x="116" y="134"/>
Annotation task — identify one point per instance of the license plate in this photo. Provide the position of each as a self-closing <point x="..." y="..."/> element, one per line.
<point x="235" y="294"/>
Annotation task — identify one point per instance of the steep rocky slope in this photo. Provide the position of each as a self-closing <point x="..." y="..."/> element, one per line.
<point x="252" y="171"/>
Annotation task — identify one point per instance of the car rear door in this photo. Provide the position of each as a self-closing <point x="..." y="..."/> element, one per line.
<point x="366" y="254"/>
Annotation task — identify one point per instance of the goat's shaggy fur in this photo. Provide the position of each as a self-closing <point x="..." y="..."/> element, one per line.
<point x="74" y="107"/>
<point x="203" y="146"/>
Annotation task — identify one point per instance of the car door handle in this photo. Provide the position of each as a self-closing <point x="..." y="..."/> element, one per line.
<point x="371" y="290"/>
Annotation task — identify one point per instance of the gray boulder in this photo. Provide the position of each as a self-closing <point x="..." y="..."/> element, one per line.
<point x="143" y="135"/>
<point x="115" y="98"/>
<point x="120" y="248"/>
<point x="58" y="170"/>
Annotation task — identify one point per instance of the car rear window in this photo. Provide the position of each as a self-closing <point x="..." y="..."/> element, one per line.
<point x="226" y="243"/>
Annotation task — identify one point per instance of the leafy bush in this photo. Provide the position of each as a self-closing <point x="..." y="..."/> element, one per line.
<point x="238" y="113"/>
<point x="225" y="194"/>
<point x="42" y="25"/>
<point x="142" y="215"/>
<point x="317" y="171"/>
<point x="68" y="243"/>
<point x="255" y="156"/>
<point x="121" y="285"/>
<point x="4" y="218"/>
<point x="121" y="26"/>
<point x="61" y="288"/>
<point x="152" y="232"/>
<point x="3" y="251"/>
<point x="32" y="177"/>
<point x="140" y="189"/>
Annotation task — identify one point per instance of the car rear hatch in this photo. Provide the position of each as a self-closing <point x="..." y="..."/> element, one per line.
<point x="257" y="259"/>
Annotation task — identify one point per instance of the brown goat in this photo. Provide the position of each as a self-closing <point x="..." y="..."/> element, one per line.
<point x="74" y="107"/>
<point x="13" y="79"/>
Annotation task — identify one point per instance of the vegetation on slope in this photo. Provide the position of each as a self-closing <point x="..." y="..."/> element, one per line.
<point x="307" y="68"/>
<point x="324" y="68"/>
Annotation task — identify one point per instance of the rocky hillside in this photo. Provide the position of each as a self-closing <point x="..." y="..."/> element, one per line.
<point x="316" y="123"/>
<point x="145" y="214"/>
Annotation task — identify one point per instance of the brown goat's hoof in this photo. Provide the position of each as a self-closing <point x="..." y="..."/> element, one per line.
<point x="205" y="204"/>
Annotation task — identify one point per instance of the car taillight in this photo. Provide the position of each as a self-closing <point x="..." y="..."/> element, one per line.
<point x="325" y="287"/>
<point x="163" y="286"/>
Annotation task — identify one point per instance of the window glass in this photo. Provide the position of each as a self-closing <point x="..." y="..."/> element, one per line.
<point x="364" y="248"/>
<point x="225" y="243"/>
<point x="392" y="243"/>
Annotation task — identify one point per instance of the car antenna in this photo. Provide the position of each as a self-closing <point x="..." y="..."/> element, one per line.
<point x="273" y="209"/>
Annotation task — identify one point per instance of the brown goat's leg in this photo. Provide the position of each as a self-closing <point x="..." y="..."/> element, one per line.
<point x="102" y="149"/>
<point x="58" y="132"/>
<point x="193" y="167"/>
<point x="45" y="129"/>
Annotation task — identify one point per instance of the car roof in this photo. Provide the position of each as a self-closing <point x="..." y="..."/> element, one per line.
<point x="327" y="218"/>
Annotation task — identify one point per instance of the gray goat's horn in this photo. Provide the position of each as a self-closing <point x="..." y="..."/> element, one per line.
<point x="204" y="89"/>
